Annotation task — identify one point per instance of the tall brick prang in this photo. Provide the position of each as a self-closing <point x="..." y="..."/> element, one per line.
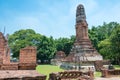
<point x="82" y="49"/>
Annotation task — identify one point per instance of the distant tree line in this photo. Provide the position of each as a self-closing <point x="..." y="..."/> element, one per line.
<point x="105" y="38"/>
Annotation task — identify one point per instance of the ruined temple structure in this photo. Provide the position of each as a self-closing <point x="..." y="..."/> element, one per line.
<point x="27" y="58"/>
<point x="82" y="48"/>
<point x="22" y="70"/>
<point x="59" y="57"/>
<point x="82" y="53"/>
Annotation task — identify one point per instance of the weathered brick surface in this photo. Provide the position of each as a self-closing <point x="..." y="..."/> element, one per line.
<point x="28" y="55"/>
<point x="6" y="57"/>
<point x="60" y="55"/>
<point x="69" y="75"/>
<point x="110" y="73"/>
<point x="27" y="59"/>
<point x="4" y="50"/>
<point x="11" y="66"/>
<point x="24" y="69"/>
<point x="83" y="49"/>
<point x="21" y="75"/>
<point x="27" y="66"/>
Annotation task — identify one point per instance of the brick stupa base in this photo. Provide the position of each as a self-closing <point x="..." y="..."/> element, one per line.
<point x="21" y="75"/>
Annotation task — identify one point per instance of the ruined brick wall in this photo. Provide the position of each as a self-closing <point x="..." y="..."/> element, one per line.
<point x="6" y="57"/>
<point x="4" y="50"/>
<point x="27" y="58"/>
<point x="28" y="55"/>
<point x="21" y="75"/>
<point x="2" y="44"/>
<point x="60" y="55"/>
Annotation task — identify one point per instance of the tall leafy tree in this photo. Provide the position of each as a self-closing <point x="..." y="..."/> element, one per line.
<point x="46" y="49"/>
<point x="93" y="35"/>
<point x="105" y="49"/>
<point x="64" y="44"/>
<point x="101" y="32"/>
<point x="115" y="43"/>
<point x="21" y="39"/>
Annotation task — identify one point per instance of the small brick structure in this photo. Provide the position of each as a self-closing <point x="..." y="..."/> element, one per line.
<point x="98" y="65"/>
<point x="27" y="59"/>
<point x="68" y="75"/>
<point x="59" y="57"/>
<point x="110" y="73"/>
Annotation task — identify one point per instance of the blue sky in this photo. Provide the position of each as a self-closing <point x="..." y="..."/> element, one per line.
<point x="54" y="17"/>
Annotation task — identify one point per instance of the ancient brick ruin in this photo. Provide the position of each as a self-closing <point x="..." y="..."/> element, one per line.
<point x="22" y="70"/>
<point x="5" y="55"/>
<point x="59" y="57"/>
<point x="72" y="75"/>
<point x="110" y="73"/>
<point x="27" y="58"/>
<point x="82" y="49"/>
<point x="21" y="75"/>
<point x="82" y="53"/>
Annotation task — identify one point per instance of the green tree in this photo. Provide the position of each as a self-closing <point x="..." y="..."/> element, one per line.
<point x="65" y="44"/>
<point x="93" y="35"/>
<point x="105" y="30"/>
<point x="115" y="43"/>
<point x="21" y="39"/>
<point x="101" y="32"/>
<point x="109" y="45"/>
<point x="105" y="49"/>
<point x="46" y="49"/>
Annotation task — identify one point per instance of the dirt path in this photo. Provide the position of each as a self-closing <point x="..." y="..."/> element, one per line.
<point x="113" y="78"/>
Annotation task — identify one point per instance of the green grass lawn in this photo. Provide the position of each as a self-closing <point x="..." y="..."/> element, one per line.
<point x="47" y="69"/>
<point x="97" y="74"/>
<point x="117" y="66"/>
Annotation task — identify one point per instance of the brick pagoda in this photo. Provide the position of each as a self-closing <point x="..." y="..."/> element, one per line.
<point x="82" y="49"/>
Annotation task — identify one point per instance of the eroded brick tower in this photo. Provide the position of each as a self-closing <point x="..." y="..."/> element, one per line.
<point x="4" y="50"/>
<point x="82" y="49"/>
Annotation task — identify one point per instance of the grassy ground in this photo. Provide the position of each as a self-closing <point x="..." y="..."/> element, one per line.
<point x="117" y="66"/>
<point x="47" y="69"/>
<point x="97" y="74"/>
